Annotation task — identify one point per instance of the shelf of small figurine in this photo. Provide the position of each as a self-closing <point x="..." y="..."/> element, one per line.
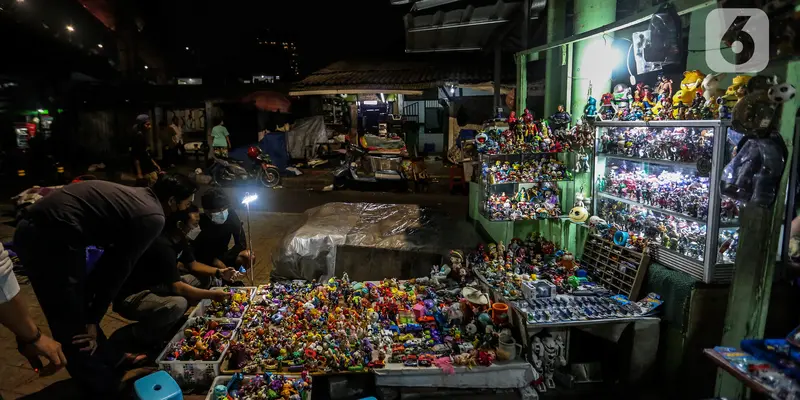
<point x="687" y="235"/>
<point x="611" y="264"/>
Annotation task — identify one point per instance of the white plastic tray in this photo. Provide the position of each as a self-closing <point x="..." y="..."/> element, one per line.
<point x="194" y="373"/>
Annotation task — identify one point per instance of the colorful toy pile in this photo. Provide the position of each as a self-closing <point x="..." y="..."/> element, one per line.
<point x="669" y="144"/>
<point x="205" y="339"/>
<point x="539" y="201"/>
<point x="265" y="386"/>
<point x="666" y="188"/>
<point x="352" y="326"/>
<point x="535" y="170"/>
<point x="233" y="307"/>
<point x="775" y="367"/>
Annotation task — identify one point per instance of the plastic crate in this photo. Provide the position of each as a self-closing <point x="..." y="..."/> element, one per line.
<point x="190" y="374"/>
<point x="200" y="310"/>
<point x="224" y="379"/>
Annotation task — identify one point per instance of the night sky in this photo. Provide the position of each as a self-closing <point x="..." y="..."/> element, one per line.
<point x="220" y="33"/>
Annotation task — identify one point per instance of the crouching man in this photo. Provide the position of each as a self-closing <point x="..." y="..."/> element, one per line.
<point x="155" y="295"/>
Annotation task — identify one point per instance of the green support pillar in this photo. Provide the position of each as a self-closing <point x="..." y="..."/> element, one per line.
<point x="554" y="76"/>
<point x="591" y="62"/>
<point x="522" y="83"/>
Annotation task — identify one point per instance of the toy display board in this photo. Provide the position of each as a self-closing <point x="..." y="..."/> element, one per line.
<point x="194" y="354"/>
<point x="255" y="387"/>
<point x="659" y="181"/>
<point x="618" y="268"/>
<point x="234" y="308"/>
<point x="759" y="375"/>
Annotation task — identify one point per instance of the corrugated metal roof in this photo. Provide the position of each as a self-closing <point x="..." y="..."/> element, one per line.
<point x="404" y="75"/>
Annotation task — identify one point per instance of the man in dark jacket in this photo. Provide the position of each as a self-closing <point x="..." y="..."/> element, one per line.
<point x="219" y="223"/>
<point x="51" y="241"/>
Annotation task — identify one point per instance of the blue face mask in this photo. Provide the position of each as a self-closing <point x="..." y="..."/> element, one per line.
<point x="219" y="217"/>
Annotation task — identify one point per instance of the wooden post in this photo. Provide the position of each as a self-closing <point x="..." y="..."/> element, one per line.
<point x="759" y="235"/>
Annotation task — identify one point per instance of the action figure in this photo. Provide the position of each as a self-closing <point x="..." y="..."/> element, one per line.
<point x="561" y="118"/>
<point x="553" y="358"/>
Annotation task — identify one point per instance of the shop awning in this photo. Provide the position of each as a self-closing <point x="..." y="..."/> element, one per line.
<point x="401" y="77"/>
<point x="458" y="25"/>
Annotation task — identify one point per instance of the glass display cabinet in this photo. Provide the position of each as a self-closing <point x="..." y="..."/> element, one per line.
<point x="659" y="180"/>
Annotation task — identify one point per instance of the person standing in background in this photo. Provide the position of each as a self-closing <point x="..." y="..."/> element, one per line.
<point x="177" y="140"/>
<point x="145" y="168"/>
<point x="220" y="138"/>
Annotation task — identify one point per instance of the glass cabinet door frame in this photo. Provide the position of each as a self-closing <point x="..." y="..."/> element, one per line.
<point x="708" y="270"/>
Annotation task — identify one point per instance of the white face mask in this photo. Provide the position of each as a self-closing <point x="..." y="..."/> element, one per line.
<point x="219" y="217"/>
<point x="192" y="234"/>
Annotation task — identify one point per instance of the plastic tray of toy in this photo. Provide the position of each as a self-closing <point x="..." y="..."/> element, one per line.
<point x="224" y="379"/>
<point x="194" y="373"/>
<point x="200" y="310"/>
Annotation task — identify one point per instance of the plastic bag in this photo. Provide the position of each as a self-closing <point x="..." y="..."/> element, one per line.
<point x="754" y="174"/>
<point x="665" y="36"/>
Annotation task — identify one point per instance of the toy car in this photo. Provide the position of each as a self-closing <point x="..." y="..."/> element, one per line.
<point x="425" y="360"/>
<point x="425" y="318"/>
<point x="403" y="338"/>
<point x="376" y="364"/>
<point x="412" y="328"/>
<point x="398" y="348"/>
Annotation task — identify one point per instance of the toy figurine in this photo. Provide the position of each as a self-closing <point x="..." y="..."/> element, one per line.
<point x="711" y="90"/>
<point x="582" y="163"/>
<point x="690" y="85"/>
<point x="590" y="110"/>
<point x="561" y="119"/>
<point x="664" y="87"/>
<point x="537" y="359"/>
<point x="553" y="358"/>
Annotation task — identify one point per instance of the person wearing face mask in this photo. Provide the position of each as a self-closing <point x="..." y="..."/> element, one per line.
<point x="51" y="240"/>
<point x="155" y="294"/>
<point x="219" y="224"/>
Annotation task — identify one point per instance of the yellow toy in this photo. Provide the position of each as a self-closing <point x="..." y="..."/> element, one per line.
<point x="677" y="101"/>
<point x="735" y="90"/>
<point x="689" y="85"/>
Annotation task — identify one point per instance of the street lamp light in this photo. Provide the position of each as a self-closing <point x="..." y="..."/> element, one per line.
<point x="70" y="28"/>
<point x="146" y="67"/>
<point x="100" y="45"/>
<point x="249" y="198"/>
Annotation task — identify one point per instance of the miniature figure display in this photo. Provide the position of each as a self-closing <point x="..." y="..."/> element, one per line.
<point x="204" y="339"/>
<point x="549" y="285"/>
<point x="699" y="97"/>
<point x="353" y="326"/>
<point x="265" y="386"/>
<point x="233" y="307"/>
<point x="535" y="201"/>
<point x="536" y="169"/>
<point x="527" y="135"/>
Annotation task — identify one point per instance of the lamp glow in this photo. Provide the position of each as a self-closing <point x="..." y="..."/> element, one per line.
<point x="100" y="45"/>
<point x="249" y="198"/>
<point x="70" y="28"/>
<point x="40" y="111"/>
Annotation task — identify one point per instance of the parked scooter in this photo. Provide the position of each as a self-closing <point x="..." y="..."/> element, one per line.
<point x="360" y="166"/>
<point x="228" y="171"/>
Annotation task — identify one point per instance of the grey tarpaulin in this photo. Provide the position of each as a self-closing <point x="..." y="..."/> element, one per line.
<point x="304" y="134"/>
<point x="369" y="242"/>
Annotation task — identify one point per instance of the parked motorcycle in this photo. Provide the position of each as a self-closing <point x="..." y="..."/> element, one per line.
<point x="227" y="170"/>
<point x="360" y="166"/>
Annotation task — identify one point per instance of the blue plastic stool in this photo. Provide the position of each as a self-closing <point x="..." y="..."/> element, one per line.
<point x="158" y="386"/>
